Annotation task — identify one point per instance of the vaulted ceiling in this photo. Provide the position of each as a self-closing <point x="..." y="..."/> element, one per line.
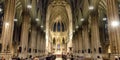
<point x="80" y="10"/>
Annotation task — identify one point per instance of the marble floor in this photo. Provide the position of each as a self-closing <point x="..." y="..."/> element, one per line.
<point x="58" y="59"/>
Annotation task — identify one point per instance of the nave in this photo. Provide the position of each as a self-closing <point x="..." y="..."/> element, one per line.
<point x="60" y="29"/>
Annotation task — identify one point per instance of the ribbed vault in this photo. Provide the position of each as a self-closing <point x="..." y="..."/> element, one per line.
<point x="58" y="13"/>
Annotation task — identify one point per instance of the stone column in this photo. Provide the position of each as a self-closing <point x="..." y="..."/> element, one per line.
<point x="33" y="39"/>
<point x="8" y="26"/>
<point x="114" y="31"/>
<point x="83" y="40"/>
<point x="77" y="42"/>
<point x="95" y="38"/>
<point x="80" y="41"/>
<point x="73" y="44"/>
<point x="86" y="39"/>
<point x="38" y="42"/>
<point x="24" y="34"/>
<point x="44" y="44"/>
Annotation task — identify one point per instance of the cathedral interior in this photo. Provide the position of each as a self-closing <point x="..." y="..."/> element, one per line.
<point x="60" y="29"/>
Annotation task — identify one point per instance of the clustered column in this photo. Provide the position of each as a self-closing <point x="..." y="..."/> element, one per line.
<point x="86" y="42"/>
<point x="95" y="38"/>
<point x="83" y="42"/>
<point x="43" y="44"/>
<point x="76" y="44"/>
<point x="33" y="40"/>
<point x="8" y="25"/>
<point x="73" y="43"/>
<point x="77" y="38"/>
<point x="38" y="41"/>
<point x="24" y="33"/>
<point x="114" y="31"/>
<point x="80" y="41"/>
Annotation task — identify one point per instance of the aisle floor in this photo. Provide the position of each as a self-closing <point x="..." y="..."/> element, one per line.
<point x="58" y="59"/>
